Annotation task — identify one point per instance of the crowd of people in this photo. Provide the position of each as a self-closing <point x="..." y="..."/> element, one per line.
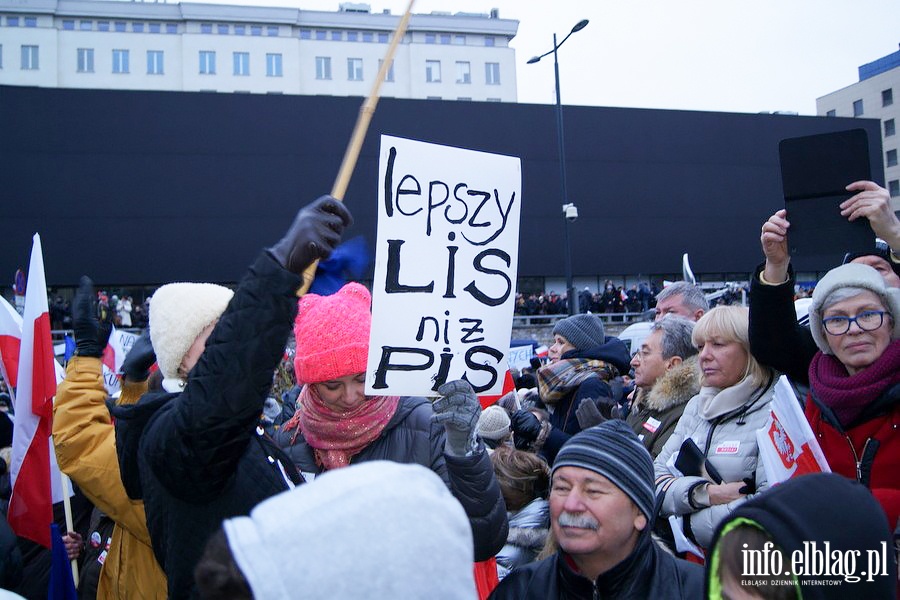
<point x="605" y="474"/>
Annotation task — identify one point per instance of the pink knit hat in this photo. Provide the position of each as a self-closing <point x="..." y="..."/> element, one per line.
<point x="332" y="334"/>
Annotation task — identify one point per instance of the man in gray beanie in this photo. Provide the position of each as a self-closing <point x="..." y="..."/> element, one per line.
<point x="602" y="507"/>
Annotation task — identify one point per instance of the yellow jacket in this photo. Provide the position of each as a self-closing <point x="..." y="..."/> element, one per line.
<point x="85" y="442"/>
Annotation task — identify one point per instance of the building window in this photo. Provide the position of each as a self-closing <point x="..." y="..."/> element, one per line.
<point x="256" y="30"/>
<point x="354" y="69"/>
<point x="430" y="38"/>
<point x="120" y="26"/>
<point x="890" y="158"/>
<point x="120" y="61"/>
<point x="137" y="27"/>
<point x="305" y="34"/>
<point x="368" y="37"/>
<point x="154" y="62"/>
<point x="857" y="108"/>
<point x="171" y="28"/>
<point x="272" y="31"/>
<point x="30" y="21"/>
<point x="894" y="187"/>
<point x="352" y="36"/>
<point x="222" y="29"/>
<point x="488" y="40"/>
<point x="389" y="76"/>
<point x="30" y="58"/>
<point x="459" y="40"/>
<point x="273" y="65"/>
<point x="85" y="25"/>
<point x="465" y="98"/>
<point x="321" y="35"/>
<point x="831" y="113"/>
<point x="323" y="67"/>
<point x="12" y="21"/>
<point x="445" y="38"/>
<point x="239" y="30"/>
<point x="887" y="97"/>
<point x="382" y="38"/>
<point x="205" y="27"/>
<point x="207" y="62"/>
<point x="337" y="36"/>
<point x="155" y="27"/>
<point x="433" y="71"/>
<point x="492" y="99"/>
<point x="492" y="73"/>
<point x="68" y="25"/>
<point x="1" y="56"/>
<point x="242" y="63"/>
<point x="85" y="60"/>
<point x="463" y="72"/>
<point x="102" y="25"/>
<point x="889" y="128"/>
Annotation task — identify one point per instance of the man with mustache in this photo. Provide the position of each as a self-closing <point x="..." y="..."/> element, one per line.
<point x="601" y="514"/>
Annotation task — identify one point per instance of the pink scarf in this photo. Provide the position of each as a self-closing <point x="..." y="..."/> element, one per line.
<point x="337" y="437"/>
<point x="847" y="395"/>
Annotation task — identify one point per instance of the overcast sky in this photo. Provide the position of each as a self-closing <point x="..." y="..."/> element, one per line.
<point x="720" y="55"/>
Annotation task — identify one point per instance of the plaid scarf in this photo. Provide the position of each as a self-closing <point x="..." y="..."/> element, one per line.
<point x="337" y="437"/>
<point x="558" y="379"/>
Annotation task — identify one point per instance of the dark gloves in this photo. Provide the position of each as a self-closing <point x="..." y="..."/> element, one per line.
<point x="458" y="410"/>
<point x="137" y="363"/>
<point x="526" y="428"/>
<point x="91" y="335"/>
<point x="588" y="414"/>
<point x="315" y="232"/>
<point x="749" y="486"/>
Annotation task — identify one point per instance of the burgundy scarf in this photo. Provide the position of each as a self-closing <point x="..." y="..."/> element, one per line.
<point x="847" y="395"/>
<point x="337" y="437"/>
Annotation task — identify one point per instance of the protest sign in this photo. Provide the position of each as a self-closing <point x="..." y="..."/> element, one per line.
<point x="520" y="357"/>
<point x="446" y="259"/>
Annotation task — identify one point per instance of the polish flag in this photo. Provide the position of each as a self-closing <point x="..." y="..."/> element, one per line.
<point x="10" y="340"/>
<point x="36" y="483"/>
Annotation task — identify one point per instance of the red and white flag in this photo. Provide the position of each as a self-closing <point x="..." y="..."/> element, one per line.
<point x="10" y="340"/>
<point x="36" y="483"/>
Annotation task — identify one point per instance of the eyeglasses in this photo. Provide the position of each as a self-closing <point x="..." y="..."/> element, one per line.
<point x="869" y="320"/>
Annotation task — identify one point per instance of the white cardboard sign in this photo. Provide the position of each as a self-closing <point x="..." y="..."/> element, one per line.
<point x="446" y="259"/>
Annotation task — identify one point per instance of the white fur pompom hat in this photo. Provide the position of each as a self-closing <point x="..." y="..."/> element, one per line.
<point x="178" y="313"/>
<point x="851" y="275"/>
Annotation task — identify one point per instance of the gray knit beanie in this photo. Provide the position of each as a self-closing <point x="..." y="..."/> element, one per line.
<point x="614" y="451"/>
<point x="493" y="424"/>
<point x="851" y="275"/>
<point x="583" y="331"/>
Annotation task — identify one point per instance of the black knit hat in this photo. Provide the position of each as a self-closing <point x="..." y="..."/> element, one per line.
<point x="881" y="250"/>
<point x="582" y="331"/>
<point x="614" y="451"/>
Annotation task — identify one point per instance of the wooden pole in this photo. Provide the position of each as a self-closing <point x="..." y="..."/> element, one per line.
<point x="351" y="155"/>
<point x="70" y="524"/>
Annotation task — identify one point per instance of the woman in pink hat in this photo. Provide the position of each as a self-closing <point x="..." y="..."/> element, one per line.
<point x="336" y="424"/>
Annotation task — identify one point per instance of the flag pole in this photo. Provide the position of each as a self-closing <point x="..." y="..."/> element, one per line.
<point x="70" y="522"/>
<point x="359" y="131"/>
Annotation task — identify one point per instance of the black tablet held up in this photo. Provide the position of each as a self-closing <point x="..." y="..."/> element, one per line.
<point x="815" y="171"/>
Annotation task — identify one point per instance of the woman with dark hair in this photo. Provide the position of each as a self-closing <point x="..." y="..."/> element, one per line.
<point x="854" y="399"/>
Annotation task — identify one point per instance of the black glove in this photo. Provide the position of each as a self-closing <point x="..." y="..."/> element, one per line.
<point x="315" y="232"/>
<point x="749" y="486"/>
<point x="91" y="334"/>
<point x="526" y="427"/>
<point x="458" y="410"/>
<point x="588" y="414"/>
<point x="137" y="363"/>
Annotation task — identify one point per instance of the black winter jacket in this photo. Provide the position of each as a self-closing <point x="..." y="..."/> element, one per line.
<point x="411" y="437"/>
<point x="198" y="457"/>
<point x="648" y="572"/>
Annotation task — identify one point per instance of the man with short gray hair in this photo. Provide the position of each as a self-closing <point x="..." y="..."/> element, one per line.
<point x="666" y="376"/>
<point x="683" y="299"/>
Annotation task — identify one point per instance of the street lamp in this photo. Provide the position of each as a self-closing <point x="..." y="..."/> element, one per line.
<point x="570" y="212"/>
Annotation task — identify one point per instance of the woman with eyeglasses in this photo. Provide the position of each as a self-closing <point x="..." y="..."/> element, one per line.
<point x="854" y="400"/>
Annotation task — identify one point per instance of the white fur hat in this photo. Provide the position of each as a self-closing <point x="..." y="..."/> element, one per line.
<point x="178" y="313"/>
<point x="378" y="529"/>
<point x="851" y="275"/>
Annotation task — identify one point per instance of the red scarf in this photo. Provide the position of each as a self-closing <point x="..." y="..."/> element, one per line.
<point x="337" y="437"/>
<point x="847" y="395"/>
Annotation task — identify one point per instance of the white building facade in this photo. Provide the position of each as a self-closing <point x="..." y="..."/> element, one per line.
<point x="875" y="96"/>
<point x="223" y="48"/>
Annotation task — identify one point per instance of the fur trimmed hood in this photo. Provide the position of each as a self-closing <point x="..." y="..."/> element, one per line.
<point x="677" y="386"/>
